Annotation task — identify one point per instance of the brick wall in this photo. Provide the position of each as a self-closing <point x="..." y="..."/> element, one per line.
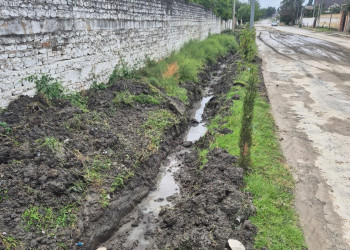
<point x="78" y="41"/>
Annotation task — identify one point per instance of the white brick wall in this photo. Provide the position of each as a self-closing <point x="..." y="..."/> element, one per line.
<point x="75" y="40"/>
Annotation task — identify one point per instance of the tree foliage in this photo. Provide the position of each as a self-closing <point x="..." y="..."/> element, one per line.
<point x="223" y="9"/>
<point x="289" y="10"/>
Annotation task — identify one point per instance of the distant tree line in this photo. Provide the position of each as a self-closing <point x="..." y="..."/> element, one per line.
<point x="223" y="9"/>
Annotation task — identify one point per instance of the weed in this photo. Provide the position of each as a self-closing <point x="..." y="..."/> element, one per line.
<point x="6" y="127"/>
<point x="48" y="219"/>
<point x="62" y="245"/>
<point x="3" y="194"/>
<point x="203" y="158"/>
<point x="123" y="71"/>
<point x="124" y="98"/>
<point x="101" y="163"/>
<point x="77" y="100"/>
<point x="79" y="186"/>
<point x="51" y="143"/>
<point x="92" y="176"/>
<point x="157" y="123"/>
<point x="47" y="85"/>
<point x="15" y="162"/>
<point x="147" y="99"/>
<point x="104" y="198"/>
<point x="52" y="89"/>
<point x="98" y="86"/>
<point x="120" y="180"/>
<point x="9" y="242"/>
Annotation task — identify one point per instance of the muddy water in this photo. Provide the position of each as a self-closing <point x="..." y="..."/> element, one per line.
<point x="196" y="132"/>
<point x="143" y="221"/>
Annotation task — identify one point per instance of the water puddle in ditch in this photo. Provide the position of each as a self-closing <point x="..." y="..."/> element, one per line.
<point x="144" y="219"/>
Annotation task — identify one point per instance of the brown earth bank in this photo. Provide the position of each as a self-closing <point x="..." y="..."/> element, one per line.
<point x="68" y="176"/>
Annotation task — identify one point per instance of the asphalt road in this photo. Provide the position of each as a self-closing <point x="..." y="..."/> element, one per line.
<point x="307" y="76"/>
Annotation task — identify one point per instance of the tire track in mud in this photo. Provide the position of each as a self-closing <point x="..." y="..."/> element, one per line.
<point x="304" y="97"/>
<point x="298" y="53"/>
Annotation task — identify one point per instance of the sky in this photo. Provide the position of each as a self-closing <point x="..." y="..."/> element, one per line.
<point x="272" y="3"/>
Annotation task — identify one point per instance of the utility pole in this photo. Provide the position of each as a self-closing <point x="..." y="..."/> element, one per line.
<point x="252" y="12"/>
<point x="330" y="20"/>
<point x="234" y="15"/>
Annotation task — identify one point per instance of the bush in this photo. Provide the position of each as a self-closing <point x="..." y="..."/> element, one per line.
<point x="247" y="46"/>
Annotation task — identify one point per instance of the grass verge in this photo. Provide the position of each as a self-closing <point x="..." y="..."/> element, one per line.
<point x="269" y="180"/>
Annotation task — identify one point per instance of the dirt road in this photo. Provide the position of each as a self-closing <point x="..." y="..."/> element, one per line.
<point x="308" y="80"/>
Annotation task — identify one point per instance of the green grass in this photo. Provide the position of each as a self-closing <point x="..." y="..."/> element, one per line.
<point x="184" y="66"/>
<point x="10" y="242"/>
<point x="47" y="219"/>
<point x="270" y="180"/>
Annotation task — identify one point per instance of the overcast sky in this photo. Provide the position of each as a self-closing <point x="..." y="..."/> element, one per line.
<point x="270" y="3"/>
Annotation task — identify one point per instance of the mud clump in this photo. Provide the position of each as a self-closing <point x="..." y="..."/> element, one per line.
<point x="212" y="208"/>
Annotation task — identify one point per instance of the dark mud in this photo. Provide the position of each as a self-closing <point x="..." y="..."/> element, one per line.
<point x="111" y="141"/>
<point x="211" y="210"/>
<point x="108" y="139"/>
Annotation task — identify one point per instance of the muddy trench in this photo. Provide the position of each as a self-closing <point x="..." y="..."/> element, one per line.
<point x="155" y="223"/>
<point x="168" y="202"/>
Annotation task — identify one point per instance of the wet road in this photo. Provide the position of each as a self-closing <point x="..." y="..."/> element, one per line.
<point x="308" y="80"/>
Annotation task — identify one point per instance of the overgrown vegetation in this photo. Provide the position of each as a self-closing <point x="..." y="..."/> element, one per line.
<point x="168" y="74"/>
<point x="47" y="219"/>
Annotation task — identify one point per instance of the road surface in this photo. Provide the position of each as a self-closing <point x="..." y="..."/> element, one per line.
<point x="307" y="76"/>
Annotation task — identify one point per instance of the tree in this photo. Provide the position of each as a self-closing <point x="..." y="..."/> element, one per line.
<point x="310" y="3"/>
<point x="289" y="10"/>
<point x="270" y="11"/>
<point x="243" y="12"/>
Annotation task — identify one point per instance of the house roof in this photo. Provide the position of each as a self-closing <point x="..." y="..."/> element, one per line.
<point x="329" y="3"/>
